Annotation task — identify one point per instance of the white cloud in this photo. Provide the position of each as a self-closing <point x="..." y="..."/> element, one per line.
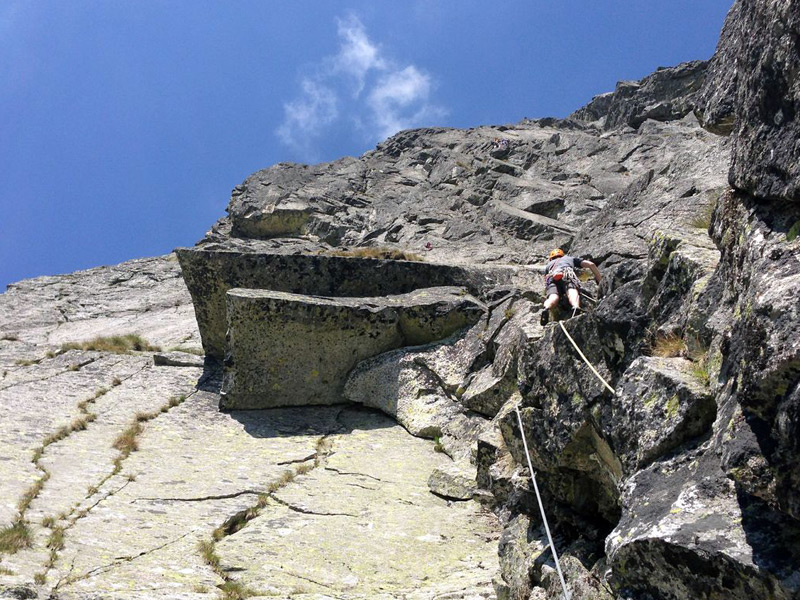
<point x="400" y="100"/>
<point x="306" y="117"/>
<point x="396" y="97"/>
<point x="357" y="54"/>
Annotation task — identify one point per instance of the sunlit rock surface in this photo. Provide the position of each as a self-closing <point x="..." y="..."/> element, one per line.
<point x="121" y="478"/>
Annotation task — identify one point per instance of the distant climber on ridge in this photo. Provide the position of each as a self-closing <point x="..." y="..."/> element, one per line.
<point x="560" y="278"/>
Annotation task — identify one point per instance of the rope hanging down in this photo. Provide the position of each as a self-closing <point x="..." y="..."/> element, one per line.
<point x="541" y="506"/>
<point x="586" y="360"/>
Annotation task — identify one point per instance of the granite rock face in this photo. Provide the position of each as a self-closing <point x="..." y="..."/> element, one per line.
<point x="677" y="480"/>
<point x="758" y="355"/>
<point x="120" y="478"/>
<point x="753" y="90"/>
<point x="666" y="95"/>
<point x="686" y="533"/>
<point x="634" y="182"/>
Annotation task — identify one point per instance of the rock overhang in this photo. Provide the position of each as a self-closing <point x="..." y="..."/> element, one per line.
<point x="289" y="328"/>
<point x="210" y="273"/>
<point x="292" y="349"/>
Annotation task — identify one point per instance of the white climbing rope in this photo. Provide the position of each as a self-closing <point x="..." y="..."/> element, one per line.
<point x="586" y="360"/>
<point x="541" y="506"/>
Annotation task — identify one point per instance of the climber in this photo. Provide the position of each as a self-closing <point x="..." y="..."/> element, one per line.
<point x="560" y="278"/>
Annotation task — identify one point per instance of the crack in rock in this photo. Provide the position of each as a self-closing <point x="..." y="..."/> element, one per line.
<point x="355" y="474"/>
<point x="202" y="498"/>
<point x="69" y="369"/>
<point x="363" y="487"/>
<point x="293" y="574"/>
<point x="73" y="517"/>
<point x="308" y="511"/>
<point x="119" y="560"/>
<point x="298" y="460"/>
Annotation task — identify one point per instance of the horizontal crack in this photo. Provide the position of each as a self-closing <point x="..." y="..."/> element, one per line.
<point x="292" y="574"/>
<point x="298" y="460"/>
<point x="239" y="520"/>
<point x="306" y="511"/>
<point x="364" y="487"/>
<point x="202" y="498"/>
<point x="70" y="369"/>
<point x="340" y="472"/>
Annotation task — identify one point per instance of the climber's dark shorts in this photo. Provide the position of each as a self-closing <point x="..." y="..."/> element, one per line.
<point x="559" y="287"/>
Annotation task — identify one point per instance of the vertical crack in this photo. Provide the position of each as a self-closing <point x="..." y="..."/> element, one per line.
<point x="17" y="536"/>
<point x="126" y="443"/>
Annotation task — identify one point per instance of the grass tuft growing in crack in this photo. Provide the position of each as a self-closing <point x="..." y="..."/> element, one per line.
<point x="56" y="539"/>
<point x="208" y="554"/>
<point x="118" y="344"/>
<point x="377" y="253"/>
<point x="31" y="493"/>
<point x="15" y="537"/>
<point x="128" y="441"/>
<point x="27" y="362"/>
<point x="48" y="521"/>
<point x="231" y="590"/>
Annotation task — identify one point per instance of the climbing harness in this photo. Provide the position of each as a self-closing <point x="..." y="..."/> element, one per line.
<point x="568" y="275"/>
<point x="586" y="360"/>
<point x="541" y="506"/>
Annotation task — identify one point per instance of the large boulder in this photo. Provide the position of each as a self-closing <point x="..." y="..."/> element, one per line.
<point x="212" y="269"/>
<point x="661" y="404"/>
<point x="290" y="349"/>
<point x="686" y="533"/>
<point x="400" y="384"/>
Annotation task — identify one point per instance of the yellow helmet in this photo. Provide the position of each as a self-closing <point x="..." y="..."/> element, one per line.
<point x="558" y="252"/>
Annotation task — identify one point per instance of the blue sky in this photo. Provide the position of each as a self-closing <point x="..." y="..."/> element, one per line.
<point x="124" y="124"/>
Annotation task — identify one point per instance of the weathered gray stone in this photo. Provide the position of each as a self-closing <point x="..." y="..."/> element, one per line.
<point x="660" y="404"/>
<point x="679" y="268"/>
<point x="518" y="550"/>
<point x="211" y="272"/>
<point x="145" y="296"/>
<point x="666" y="95"/>
<point x="685" y="531"/>
<point x="292" y="350"/>
<point x="753" y="90"/>
<point x="514" y="325"/>
<point x="177" y="359"/>
<point x="454" y="481"/>
<point x="399" y="386"/>
<point x="363" y="525"/>
<point x="755" y="356"/>
<point x="582" y="583"/>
